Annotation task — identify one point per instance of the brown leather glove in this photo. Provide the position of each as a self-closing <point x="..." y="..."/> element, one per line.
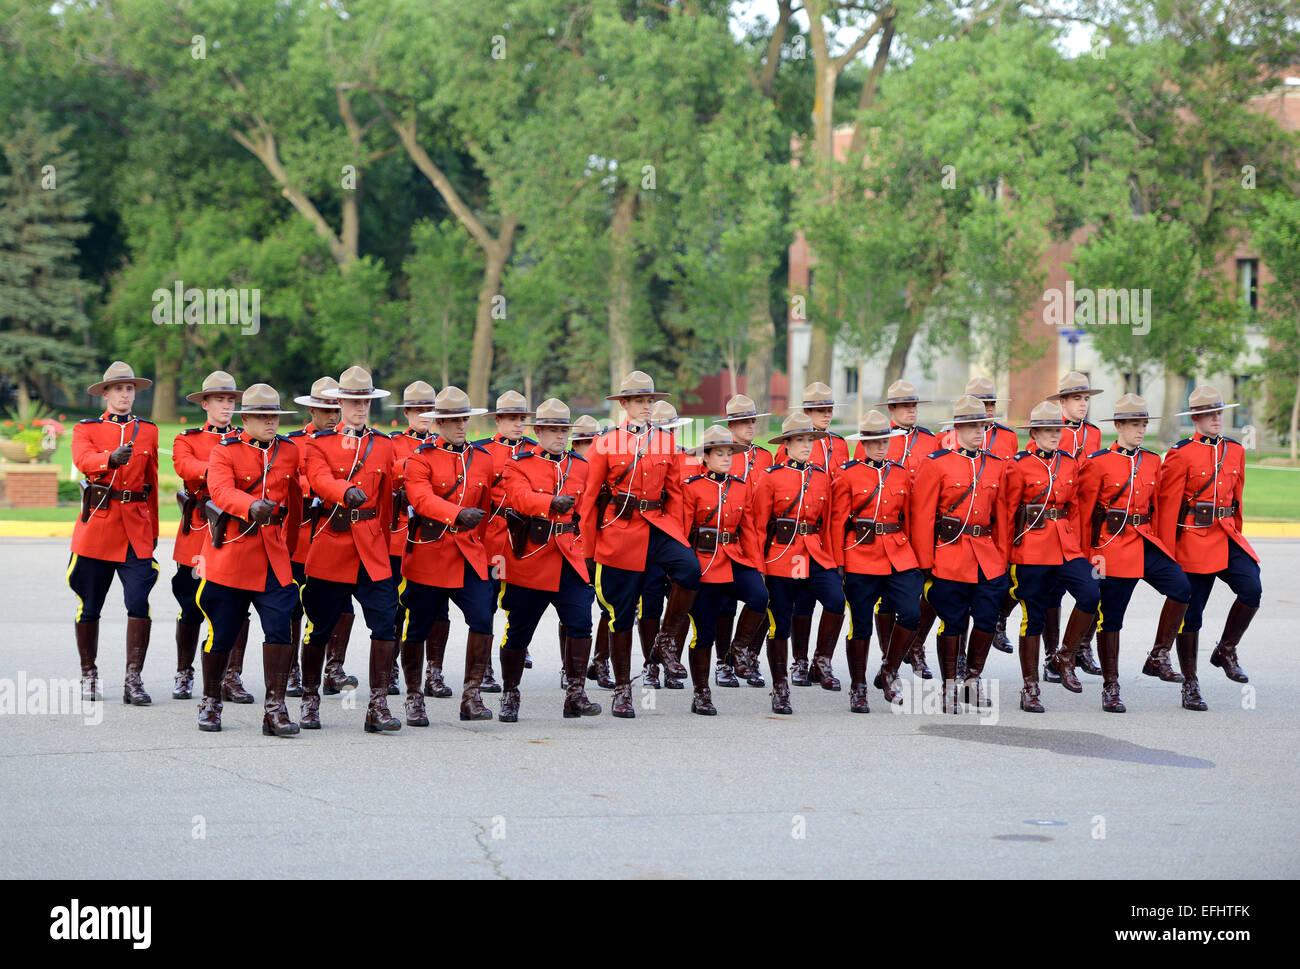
<point x="261" y="511"/>
<point x="354" y="497"/>
<point x="562" y="503"/>
<point x="469" y="517"/>
<point x="119" y="456"/>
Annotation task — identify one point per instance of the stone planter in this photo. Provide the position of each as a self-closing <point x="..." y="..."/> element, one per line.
<point x="14" y="452"/>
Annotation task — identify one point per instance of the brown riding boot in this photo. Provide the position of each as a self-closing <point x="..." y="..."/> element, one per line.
<point x="412" y="666"/>
<point x="232" y="689"/>
<point x="647" y="629"/>
<point x="828" y="634"/>
<point x="394" y="684"/>
<point x="88" y="650"/>
<point x="1234" y="627"/>
<point x="313" y="661"/>
<point x="576" y="703"/>
<point x="564" y="658"/>
<point x="214" y="671"/>
<point x="1000" y="641"/>
<point x="702" y="702"/>
<point x="724" y="675"/>
<point x="916" y="653"/>
<point x="1083" y="658"/>
<point x="378" y="717"/>
<point x="1051" y="640"/>
<point x="1108" y="647"/>
<point x="751" y="625"/>
<point x="857" y="650"/>
<point x="293" y="686"/>
<point x="435" y="648"/>
<point x="977" y="655"/>
<point x="336" y="681"/>
<point x="1075" y="630"/>
<point x="672" y="631"/>
<point x="800" y="633"/>
<point x="478" y="647"/>
<point x="777" y="652"/>
<point x="137" y="646"/>
<point x="884" y="627"/>
<point x="900" y="641"/>
<point x="276" y="658"/>
<point x="512" y="671"/>
<point x="1029" y="697"/>
<point x="948" y="647"/>
<point x="1157" y="664"/>
<point x="620" y="655"/>
<point x="1187" y="645"/>
<point x="187" y="644"/>
<point x="599" y="668"/>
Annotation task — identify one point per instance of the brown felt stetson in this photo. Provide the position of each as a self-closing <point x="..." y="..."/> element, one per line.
<point x="984" y="388"/>
<point x="452" y="402"/>
<point x="118" y="373"/>
<point x="902" y="392"/>
<point x="875" y="427"/>
<point x="969" y="410"/>
<point x="713" y="437"/>
<point x="511" y="404"/>
<point x="741" y="408"/>
<point x="551" y="412"/>
<point x="217" y="382"/>
<point x="797" y="424"/>
<point x="663" y="415"/>
<point x="1044" y="416"/>
<point x="584" y="428"/>
<point x="817" y="394"/>
<point x="261" y="400"/>
<point x="1204" y="400"/>
<point x="637" y="384"/>
<point x="416" y="394"/>
<point x="1074" y="382"/>
<point x="355" y="384"/>
<point x="1130" y="407"/>
<point x="317" y="396"/>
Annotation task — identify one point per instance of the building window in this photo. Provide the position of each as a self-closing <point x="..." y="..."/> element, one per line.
<point x="850" y="382"/>
<point x="1248" y="282"/>
<point x="1240" y="390"/>
<point x="1133" y="383"/>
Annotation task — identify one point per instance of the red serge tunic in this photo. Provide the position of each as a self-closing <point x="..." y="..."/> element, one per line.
<point x="404" y="445"/>
<point x="830" y="453"/>
<point x="441" y="479"/>
<point x="1052" y="480"/>
<point x="117" y="524"/>
<point x="724" y="502"/>
<point x="235" y="477"/>
<point x="1128" y="481"/>
<point x="908" y="449"/>
<point x="190" y="453"/>
<point x="942" y="488"/>
<point x="804" y="489"/>
<point x="532" y="479"/>
<point x="336" y="461"/>
<point x="749" y="462"/>
<point x="1216" y="468"/>
<point x="886" y="489"/>
<point x="502" y="449"/>
<point x="1079" y="440"/>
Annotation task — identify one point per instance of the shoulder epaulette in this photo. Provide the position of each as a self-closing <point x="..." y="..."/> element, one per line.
<point x="1089" y="423"/>
<point x="228" y="440"/>
<point x="1021" y="454"/>
<point x="427" y="445"/>
<point x="527" y="440"/>
<point x="1149" y="451"/>
<point x="772" y="467"/>
<point x="995" y="457"/>
<point x="1004" y="426"/>
<point x="1232" y="440"/>
<point x="833" y="434"/>
<point x="1175" y="447"/>
<point x="145" y="420"/>
<point x="481" y="448"/>
<point x="282" y="437"/>
<point x="378" y="433"/>
<point x="925" y="430"/>
<point x="326" y="433"/>
<point x="298" y="433"/>
<point x="850" y="463"/>
<point x="817" y="467"/>
<point x="896" y="464"/>
<point x="481" y="441"/>
<point x="1105" y="450"/>
<point x="523" y="454"/>
<point x="576" y="456"/>
<point x="939" y="453"/>
<point x="694" y="477"/>
<point x="607" y="430"/>
<point x="91" y="420"/>
<point x="190" y="430"/>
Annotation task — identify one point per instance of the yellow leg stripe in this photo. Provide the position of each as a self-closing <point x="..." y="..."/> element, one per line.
<point x="72" y="564"/>
<point x="198" y="594"/>
<point x="505" y="636"/>
<point x="406" y="621"/>
<point x="609" y="610"/>
<point x="771" y="625"/>
<point x="640" y="608"/>
<point x="306" y="620"/>
<point x="695" y="636"/>
<point x="1024" y="606"/>
<point x="148" y="612"/>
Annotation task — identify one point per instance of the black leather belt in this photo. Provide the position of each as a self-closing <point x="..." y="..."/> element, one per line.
<point x="863" y="525"/>
<point x="341" y="518"/>
<point x="707" y="539"/>
<point x="625" y="503"/>
<point x="126" y="496"/>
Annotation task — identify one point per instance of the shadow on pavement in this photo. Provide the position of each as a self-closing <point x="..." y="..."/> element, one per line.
<point x="1076" y="743"/>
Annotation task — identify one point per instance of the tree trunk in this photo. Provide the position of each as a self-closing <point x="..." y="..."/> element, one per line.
<point x="620" y="288"/>
<point x="1173" y="404"/>
<point x="1295" y="419"/>
<point x="898" y="354"/>
<point x="480" y="363"/>
<point x="164" y="390"/>
<point x="762" y="343"/>
<point x="528" y="386"/>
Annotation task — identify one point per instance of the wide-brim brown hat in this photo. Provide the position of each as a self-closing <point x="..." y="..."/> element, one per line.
<point x="416" y="394"/>
<point x="902" y="392"/>
<point x="875" y="426"/>
<point x="552" y="412"/>
<point x="118" y="373"/>
<point x="217" y="382"/>
<point x="637" y="384"/>
<point x="818" y="394"/>
<point x="355" y="384"/>
<point x="1131" y="407"/>
<point x="585" y="427"/>
<point x="713" y="436"/>
<point x="511" y="404"/>
<point x="452" y="402"/>
<point x="1044" y="416"/>
<point x="1204" y="400"/>
<point x="797" y="424"/>
<point x="968" y="410"/>
<point x="663" y="417"/>
<point x="1074" y="382"/>
<point x="261" y="400"/>
<point x="742" y="408"/>
<point x="317" y="396"/>
<point x="985" y="389"/>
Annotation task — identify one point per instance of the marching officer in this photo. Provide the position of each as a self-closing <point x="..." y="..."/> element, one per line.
<point x="961" y="541"/>
<point x="870" y="498"/>
<point x="1200" y="515"/>
<point x="545" y="564"/>
<point x="1118" y="494"/>
<point x="719" y="522"/>
<point x="792" y="503"/>
<point x="449" y="485"/>
<point x="323" y="415"/>
<point x="909" y="450"/>
<point x="510" y="414"/>
<point x="190" y="451"/>
<point x="748" y="460"/>
<point x="117" y="532"/>
<point x="252" y="516"/>
<point x="630" y="516"/>
<point x="1040" y="504"/>
<point x="417" y="398"/>
<point x="829" y="453"/>
<point x="584" y="431"/>
<point x="349" y="471"/>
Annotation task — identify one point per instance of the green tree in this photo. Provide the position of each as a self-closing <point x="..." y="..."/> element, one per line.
<point x="1277" y="234"/>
